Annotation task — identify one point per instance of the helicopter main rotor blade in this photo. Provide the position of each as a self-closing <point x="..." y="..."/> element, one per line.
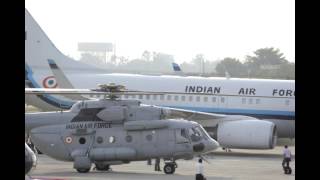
<point x="41" y="91"/>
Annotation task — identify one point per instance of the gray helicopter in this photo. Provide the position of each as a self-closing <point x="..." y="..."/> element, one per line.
<point x="112" y="131"/>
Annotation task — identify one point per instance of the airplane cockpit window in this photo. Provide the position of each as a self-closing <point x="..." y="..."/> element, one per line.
<point x="181" y="136"/>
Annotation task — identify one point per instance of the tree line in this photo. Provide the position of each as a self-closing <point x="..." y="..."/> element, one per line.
<point x="264" y="63"/>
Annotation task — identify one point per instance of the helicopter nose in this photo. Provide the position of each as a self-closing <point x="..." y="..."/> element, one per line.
<point x="48" y="140"/>
<point x="212" y="145"/>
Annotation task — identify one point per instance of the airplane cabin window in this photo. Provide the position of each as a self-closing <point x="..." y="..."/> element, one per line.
<point x="162" y="97"/>
<point x="154" y="97"/>
<point x="257" y="101"/>
<point x="140" y="96"/>
<point x="169" y="97"/>
<point x="205" y="99"/>
<point x="250" y="101"/>
<point x="222" y="100"/>
<point x="190" y="98"/>
<point x="244" y="100"/>
<point x="214" y="99"/>
<point x="287" y="102"/>
<point x="176" y="98"/>
<point x="198" y="98"/>
<point x="133" y="96"/>
<point x="183" y="98"/>
<point x="148" y="96"/>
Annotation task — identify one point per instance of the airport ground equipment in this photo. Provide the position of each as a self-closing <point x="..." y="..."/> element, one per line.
<point x="112" y="131"/>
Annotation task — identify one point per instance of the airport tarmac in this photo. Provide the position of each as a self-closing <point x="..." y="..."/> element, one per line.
<point x="235" y="165"/>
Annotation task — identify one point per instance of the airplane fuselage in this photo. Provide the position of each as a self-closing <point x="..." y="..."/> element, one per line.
<point x="264" y="99"/>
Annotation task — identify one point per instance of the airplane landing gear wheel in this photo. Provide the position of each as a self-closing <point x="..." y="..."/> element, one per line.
<point x="102" y="167"/>
<point x="169" y="168"/>
<point x="80" y="170"/>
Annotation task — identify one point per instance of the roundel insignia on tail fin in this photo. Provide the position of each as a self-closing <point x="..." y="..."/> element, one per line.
<point x="49" y="82"/>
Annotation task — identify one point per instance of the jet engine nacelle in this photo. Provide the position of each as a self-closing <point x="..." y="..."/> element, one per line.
<point x="247" y="134"/>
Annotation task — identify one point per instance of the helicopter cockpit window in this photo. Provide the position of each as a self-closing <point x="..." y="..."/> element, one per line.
<point x="195" y="134"/>
<point x="204" y="133"/>
<point x="181" y="136"/>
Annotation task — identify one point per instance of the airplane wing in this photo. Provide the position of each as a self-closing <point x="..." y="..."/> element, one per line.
<point x="205" y="119"/>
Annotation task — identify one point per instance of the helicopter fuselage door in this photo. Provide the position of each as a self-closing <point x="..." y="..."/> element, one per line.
<point x="166" y="143"/>
<point x="183" y="146"/>
<point x="149" y="139"/>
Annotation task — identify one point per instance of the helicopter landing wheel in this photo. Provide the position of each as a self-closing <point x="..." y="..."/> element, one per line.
<point x="102" y="167"/>
<point x="82" y="170"/>
<point x="169" y="168"/>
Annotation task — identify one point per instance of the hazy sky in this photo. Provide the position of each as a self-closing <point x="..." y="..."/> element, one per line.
<point x="182" y="28"/>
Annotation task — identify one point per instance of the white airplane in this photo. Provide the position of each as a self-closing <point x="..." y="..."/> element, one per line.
<point x="264" y="108"/>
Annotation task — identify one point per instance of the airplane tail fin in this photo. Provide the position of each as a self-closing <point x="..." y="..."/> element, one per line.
<point x="39" y="48"/>
<point x="176" y="68"/>
<point x="63" y="81"/>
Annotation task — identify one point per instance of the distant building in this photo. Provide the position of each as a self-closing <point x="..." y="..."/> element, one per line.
<point x="100" y="50"/>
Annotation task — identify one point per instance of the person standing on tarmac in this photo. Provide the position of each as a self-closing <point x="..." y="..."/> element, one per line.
<point x="157" y="165"/>
<point x="286" y="157"/>
<point x="199" y="170"/>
